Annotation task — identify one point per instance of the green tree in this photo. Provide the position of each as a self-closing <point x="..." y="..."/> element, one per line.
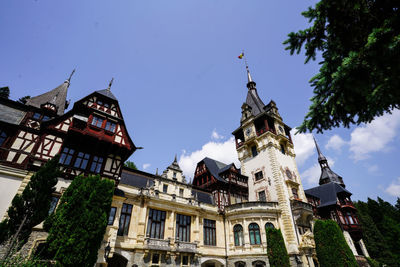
<point x="276" y="250"/>
<point x="359" y="75"/>
<point x="130" y="164"/>
<point x="373" y="239"/>
<point x="31" y="207"/>
<point x="79" y="223"/>
<point x="332" y="249"/>
<point x="4" y="92"/>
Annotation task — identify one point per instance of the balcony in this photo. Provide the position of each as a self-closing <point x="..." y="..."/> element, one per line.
<point x="157" y="244"/>
<point x="239" y="144"/>
<point x="346" y="204"/>
<point x="302" y="211"/>
<point x="186" y="247"/>
<point x="261" y="131"/>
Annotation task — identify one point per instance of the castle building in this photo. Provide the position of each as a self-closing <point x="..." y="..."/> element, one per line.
<point x="331" y="200"/>
<point x="161" y="220"/>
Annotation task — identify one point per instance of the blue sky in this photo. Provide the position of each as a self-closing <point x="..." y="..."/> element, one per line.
<point x="179" y="82"/>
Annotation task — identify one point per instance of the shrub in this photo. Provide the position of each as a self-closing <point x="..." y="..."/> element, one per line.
<point x="277" y="253"/>
<point x="79" y="223"/>
<point x="332" y="249"/>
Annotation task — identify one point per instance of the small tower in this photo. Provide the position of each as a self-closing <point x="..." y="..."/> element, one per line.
<point x="54" y="101"/>
<point x="174" y="172"/>
<point x="327" y="175"/>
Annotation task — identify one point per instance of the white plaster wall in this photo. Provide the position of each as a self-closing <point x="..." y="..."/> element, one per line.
<point x="350" y="242"/>
<point x="8" y="188"/>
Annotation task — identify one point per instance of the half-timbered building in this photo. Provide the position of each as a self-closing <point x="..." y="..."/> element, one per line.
<point x="331" y="200"/>
<point x="91" y="138"/>
<point x="225" y="182"/>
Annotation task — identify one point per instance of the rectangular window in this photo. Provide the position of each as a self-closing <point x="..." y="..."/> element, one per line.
<point x="96" y="121"/>
<point x="66" y="156"/>
<point x="110" y="126"/>
<point x="185" y="260"/>
<point x="53" y="204"/>
<point x="165" y="188"/>
<point x="183" y="227"/>
<point x="258" y="175"/>
<point x="3" y="137"/>
<point x="81" y="160"/>
<point x="125" y="219"/>
<point x="261" y="196"/>
<point x="111" y="217"/>
<point x="254" y="151"/>
<point x="155" y="224"/>
<point x="45" y="118"/>
<point x="209" y="233"/>
<point x="155" y="259"/>
<point x="181" y="192"/>
<point x="96" y="164"/>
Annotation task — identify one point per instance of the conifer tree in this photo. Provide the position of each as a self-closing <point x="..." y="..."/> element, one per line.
<point x="332" y="249"/>
<point x="79" y="223"/>
<point x="32" y="206"/>
<point x="277" y="253"/>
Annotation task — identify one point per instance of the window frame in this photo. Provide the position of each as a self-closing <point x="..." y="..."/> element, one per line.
<point x="156" y="224"/>
<point x="3" y="137"/>
<point x="53" y="204"/>
<point x="110" y="126"/>
<point x="209" y="232"/>
<point x="83" y="159"/>
<point x="258" y="176"/>
<point x="254" y="234"/>
<point x="125" y="219"/>
<point x="96" y="164"/>
<point x="66" y="155"/>
<point x="112" y="215"/>
<point x="95" y="121"/>
<point x="259" y="197"/>
<point x="238" y="235"/>
<point x="254" y="151"/>
<point x="183" y="223"/>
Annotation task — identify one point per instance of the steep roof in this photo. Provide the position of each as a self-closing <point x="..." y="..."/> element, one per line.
<point x="215" y="168"/>
<point x="255" y="102"/>
<point x="327" y="193"/>
<point x="57" y="97"/>
<point x="107" y="93"/>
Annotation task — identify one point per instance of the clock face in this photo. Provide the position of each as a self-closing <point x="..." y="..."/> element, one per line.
<point x="248" y="131"/>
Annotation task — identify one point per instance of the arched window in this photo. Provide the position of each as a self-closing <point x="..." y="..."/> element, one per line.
<point x="254" y="233"/>
<point x="269" y="225"/>
<point x="238" y="233"/>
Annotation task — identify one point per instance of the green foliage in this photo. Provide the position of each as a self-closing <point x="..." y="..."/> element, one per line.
<point x="24" y="99"/>
<point x="4" y="92"/>
<point x="20" y="261"/>
<point x="373" y="263"/>
<point x="32" y="206"/>
<point x="80" y="221"/>
<point x="276" y="250"/>
<point x="381" y="228"/>
<point x="130" y="164"/>
<point x="360" y="45"/>
<point x="332" y="249"/>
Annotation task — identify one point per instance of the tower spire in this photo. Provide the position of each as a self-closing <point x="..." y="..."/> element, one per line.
<point x="250" y="83"/>
<point x="110" y="84"/>
<point x="70" y="76"/>
<point x="327" y="175"/>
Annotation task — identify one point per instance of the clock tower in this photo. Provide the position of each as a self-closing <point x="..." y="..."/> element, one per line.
<point x="266" y="153"/>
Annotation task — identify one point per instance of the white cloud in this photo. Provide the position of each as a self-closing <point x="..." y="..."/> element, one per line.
<point x="372" y="168"/>
<point x="394" y="188"/>
<point x="312" y="174"/>
<point x="335" y="143"/>
<point x="216" y="136"/>
<point x="221" y="151"/>
<point x="146" y="165"/>
<point x="374" y="136"/>
<point x="303" y="146"/>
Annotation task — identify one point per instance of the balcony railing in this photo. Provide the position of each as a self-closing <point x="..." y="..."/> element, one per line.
<point x="186" y="247"/>
<point x="300" y="205"/>
<point x="346" y="203"/>
<point x="261" y="131"/>
<point x="158" y="244"/>
<point x="247" y="205"/>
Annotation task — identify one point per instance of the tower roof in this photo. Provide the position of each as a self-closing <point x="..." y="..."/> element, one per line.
<point x="107" y="92"/>
<point x="252" y="99"/>
<point x="327" y="175"/>
<point x="57" y="97"/>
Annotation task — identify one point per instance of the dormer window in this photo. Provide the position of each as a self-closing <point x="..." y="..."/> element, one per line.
<point x="96" y="121"/>
<point x="110" y="126"/>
